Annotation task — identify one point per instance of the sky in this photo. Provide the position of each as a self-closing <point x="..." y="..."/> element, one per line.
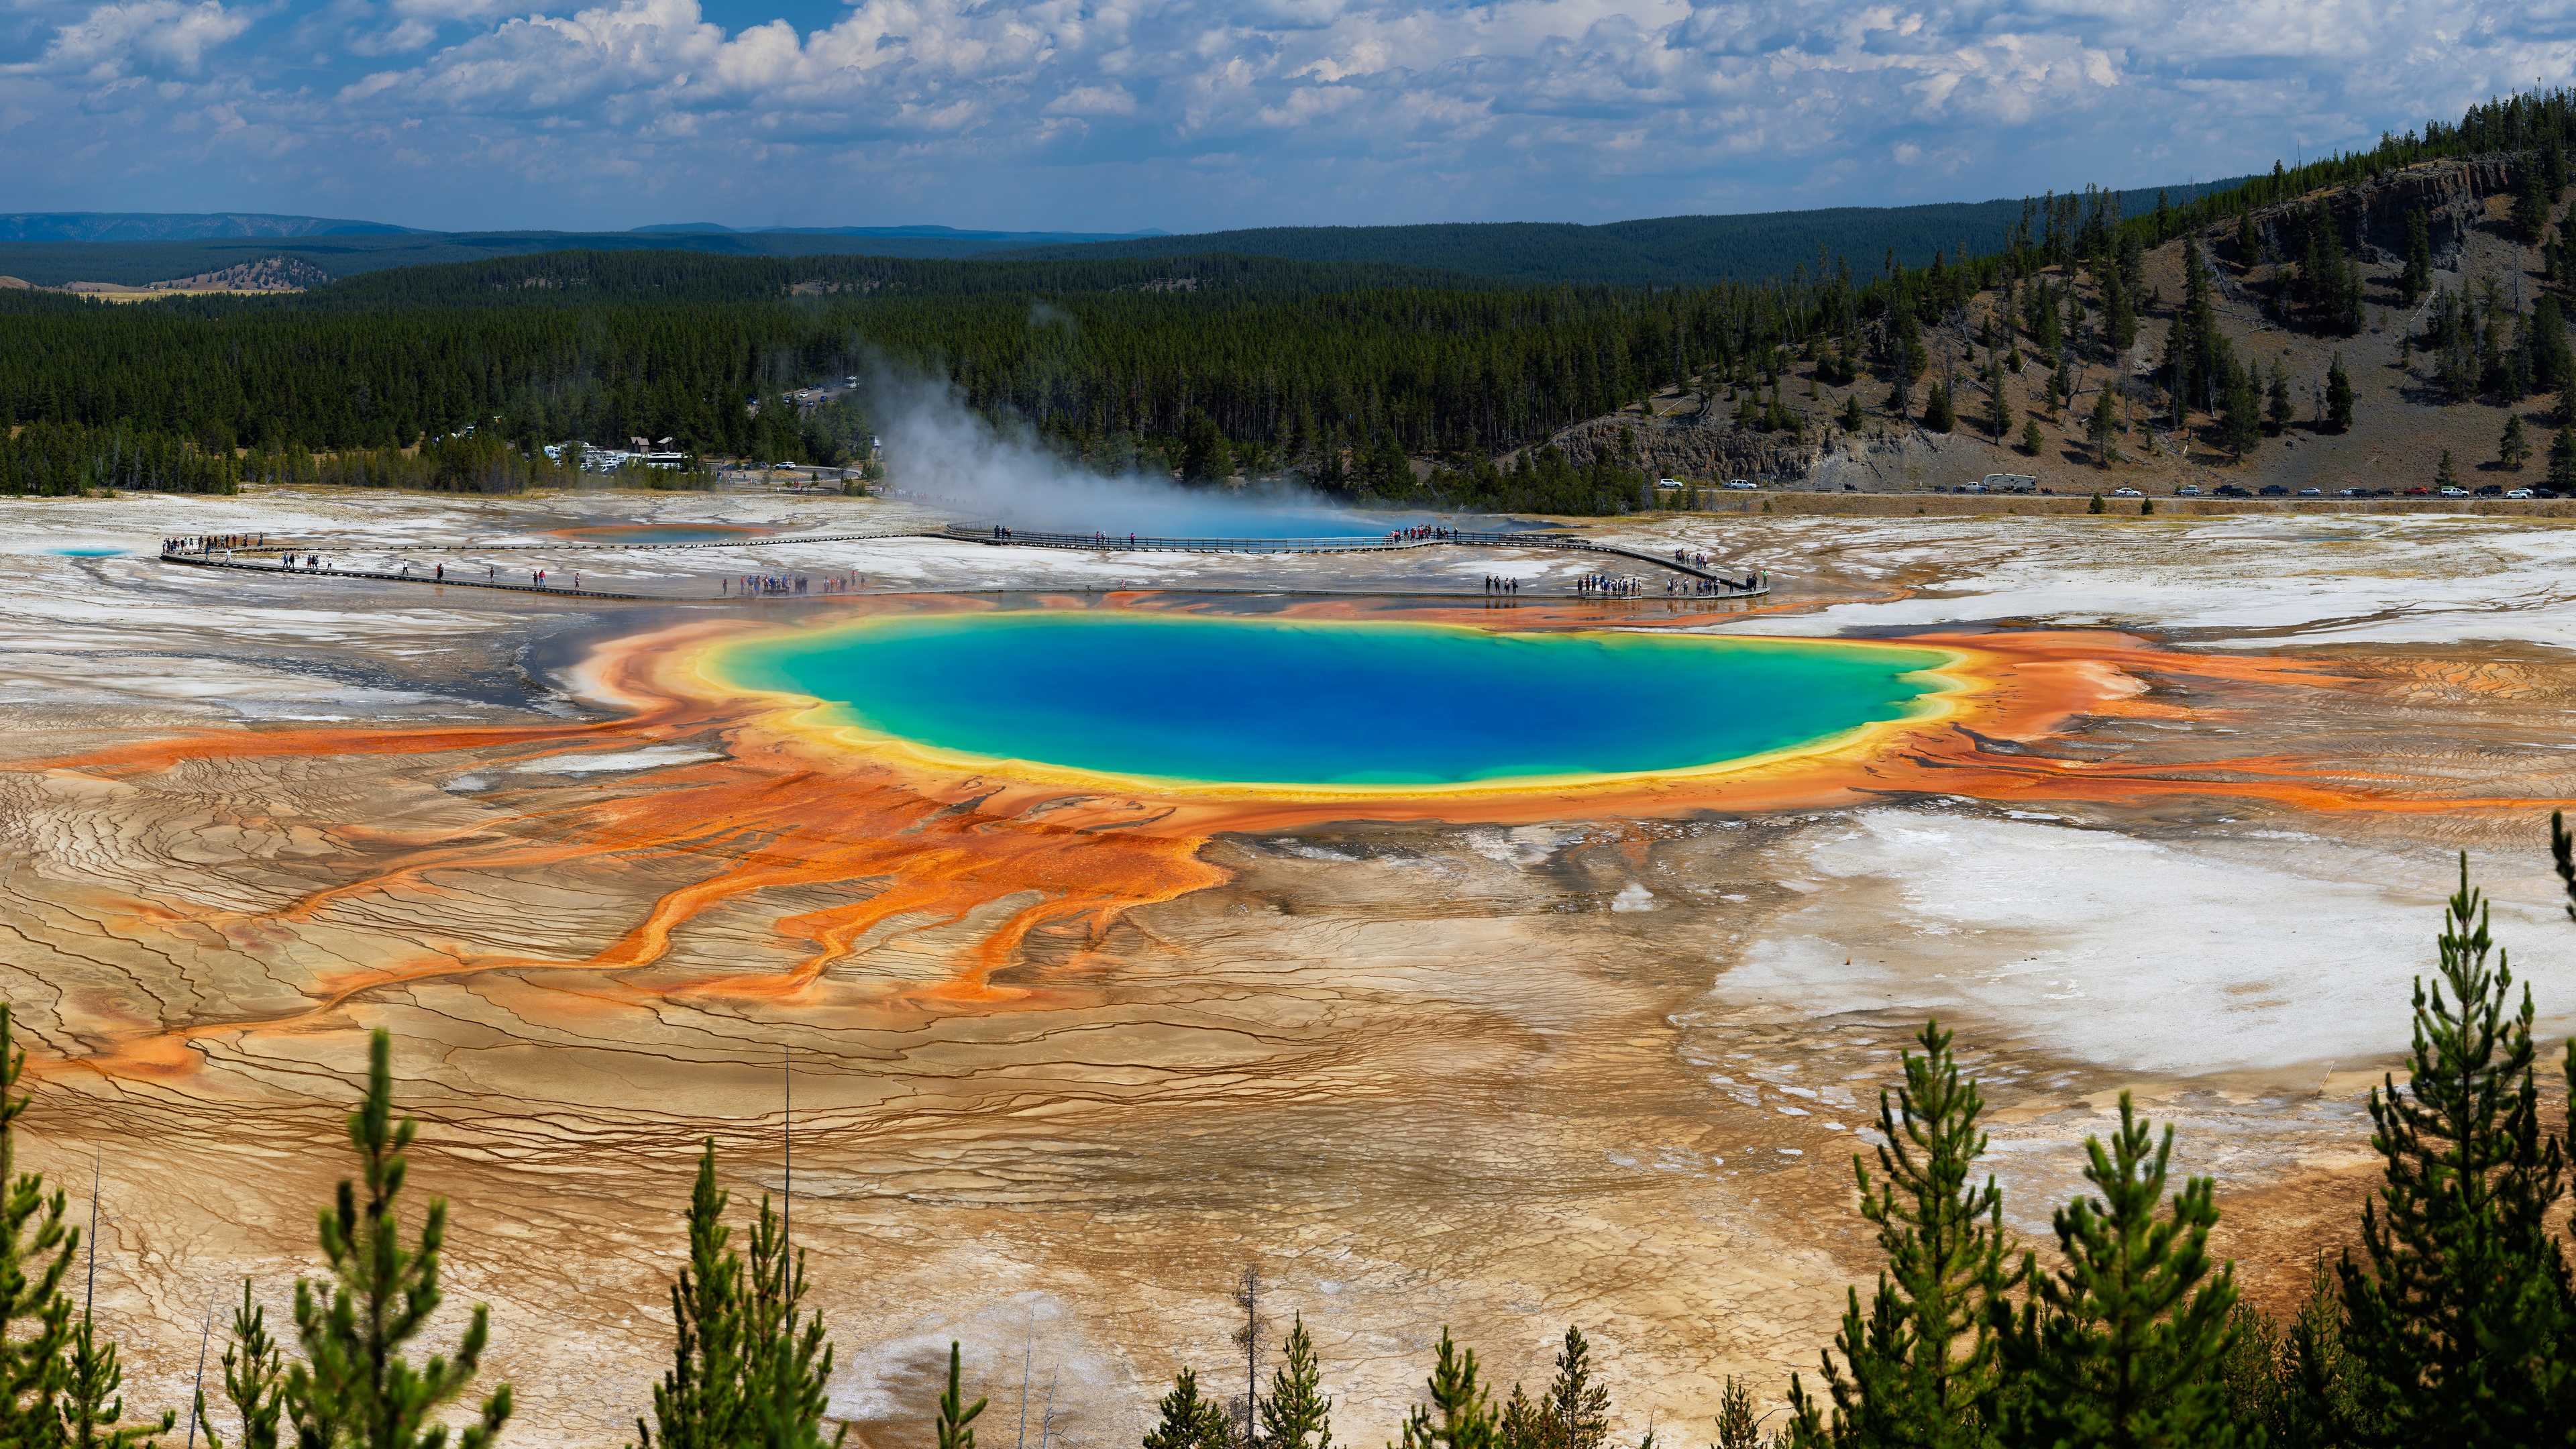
<point x="1195" y="115"/>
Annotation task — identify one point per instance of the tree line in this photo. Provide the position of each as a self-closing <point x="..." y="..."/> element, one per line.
<point x="1326" y="370"/>
<point x="2450" y="1320"/>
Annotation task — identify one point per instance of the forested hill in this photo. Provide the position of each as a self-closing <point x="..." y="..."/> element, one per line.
<point x="594" y="277"/>
<point x="1663" y="251"/>
<point x="51" y="263"/>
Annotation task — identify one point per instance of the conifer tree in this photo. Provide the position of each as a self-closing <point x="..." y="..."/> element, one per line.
<point x="1937" y="414"/>
<point x="2513" y="449"/>
<point x="700" y="1402"/>
<point x="786" y="1355"/>
<point x="1574" y="1414"/>
<point x="36" y="1248"/>
<point x="2444" y="475"/>
<point x="2240" y="422"/>
<point x="2126" y="1345"/>
<point x="2338" y="395"/>
<point x="91" y="1404"/>
<point x="957" y="1417"/>
<point x="2553" y="365"/>
<point x="254" y="1380"/>
<point x="2032" y="440"/>
<point x="2102" y="428"/>
<point x="1923" y="1366"/>
<point x="356" y="1388"/>
<point x="1851" y="413"/>
<point x="1295" y="1414"/>
<point x="2317" y="1374"/>
<point x="2562" y="463"/>
<point x="1905" y="353"/>
<point x="2530" y="205"/>
<point x="1461" y="1412"/>
<point x="2458" y="1310"/>
<point x="2276" y="400"/>
<point x="1738" y="1427"/>
<point x="2418" y="276"/>
<point x="1188" y="1422"/>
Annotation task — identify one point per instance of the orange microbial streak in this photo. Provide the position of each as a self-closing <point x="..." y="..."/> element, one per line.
<point x="878" y="840"/>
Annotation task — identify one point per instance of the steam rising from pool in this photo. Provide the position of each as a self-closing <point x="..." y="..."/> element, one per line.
<point x="945" y="453"/>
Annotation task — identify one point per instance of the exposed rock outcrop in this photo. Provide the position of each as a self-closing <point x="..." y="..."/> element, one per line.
<point x="268" y="274"/>
<point x="2373" y="211"/>
<point x="1713" y="450"/>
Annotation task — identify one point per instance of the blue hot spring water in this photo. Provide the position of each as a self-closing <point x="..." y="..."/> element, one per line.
<point x="1267" y="701"/>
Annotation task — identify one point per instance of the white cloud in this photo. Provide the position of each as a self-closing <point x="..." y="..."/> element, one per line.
<point x="148" y="35"/>
<point x="1090" y="112"/>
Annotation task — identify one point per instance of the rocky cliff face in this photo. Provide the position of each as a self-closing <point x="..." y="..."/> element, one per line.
<point x="1881" y="460"/>
<point x="2373" y="212"/>
<point x="1701" y="446"/>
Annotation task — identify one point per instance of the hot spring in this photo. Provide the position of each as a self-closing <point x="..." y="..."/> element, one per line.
<point x="1291" y="702"/>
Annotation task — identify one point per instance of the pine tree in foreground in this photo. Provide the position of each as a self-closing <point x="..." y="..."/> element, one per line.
<point x="254" y="1380"/>
<point x="748" y="1363"/>
<point x="2458" y="1310"/>
<point x="1296" y="1414"/>
<point x="1461" y="1412"/>
<point x="1738" y="1426"/>
<point x="1575" y="1412"/>
<point x="35" y="1252"/>
<point x="1188" y="1422"/>
<point x="91" y="1404"/>
<point x="957" y="1417"/>
<point x="1922" y="1367"/>
<point x="356" y="1388"/>
<point x="786" y="1355"/>
<point x="699" y="1403"/>
<point x="2125" y="1346"/>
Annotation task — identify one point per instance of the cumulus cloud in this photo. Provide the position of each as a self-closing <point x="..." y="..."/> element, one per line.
<point x="1194" y="114"/>
<point x="148" y="36"/>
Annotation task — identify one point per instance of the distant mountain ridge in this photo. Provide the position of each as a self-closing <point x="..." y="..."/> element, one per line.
<point x="1658" y="251"/>
<point x="1655" y="251"/>
<point x="1022" y="238"/>
<point x="154" y="226"/>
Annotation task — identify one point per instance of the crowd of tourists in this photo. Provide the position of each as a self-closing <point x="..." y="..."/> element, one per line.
<point x="1616" y="586"/>
<point x="210" y="542"/>
<point x="764" y="586"/>
<point x="1496" y="584"/>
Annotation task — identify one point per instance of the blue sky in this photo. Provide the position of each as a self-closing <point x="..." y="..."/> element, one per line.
<point x="1114" y="115"/>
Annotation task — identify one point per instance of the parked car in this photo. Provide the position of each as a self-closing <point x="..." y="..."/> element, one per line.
<point x="2126" y="493"/>
<point x="1737" y="483"/>
<point x="2230" y="490"/>
<point x="2273" y="490"/>
<point x="2455" y="493"/>
<point x="2418" y="491"/>
<point x="2547" y="493"/>
<point x="2312" y="493"/>
<point x="2518" y="493"/>
<point x="2491" y="490"/>
<point x="2352" y="493"/>
<point x="2188" y="490"/>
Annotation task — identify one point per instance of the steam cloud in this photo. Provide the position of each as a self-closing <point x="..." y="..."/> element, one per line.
<point x="943" y="452"/>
